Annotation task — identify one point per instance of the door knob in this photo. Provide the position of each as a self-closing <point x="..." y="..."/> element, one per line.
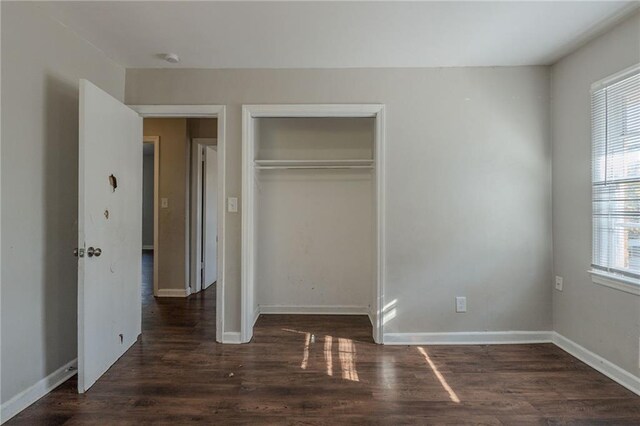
<point x="78" y="252"/>
<point x="94" y="252"/>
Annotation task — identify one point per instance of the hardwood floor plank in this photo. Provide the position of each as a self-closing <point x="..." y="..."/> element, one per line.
<point x="177" y="374"/>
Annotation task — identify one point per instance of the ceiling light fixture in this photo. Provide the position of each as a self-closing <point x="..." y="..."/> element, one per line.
<point x="171" y="58"/>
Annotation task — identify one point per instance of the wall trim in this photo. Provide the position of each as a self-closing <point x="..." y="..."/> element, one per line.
<point x="219" y="112"/>
<point x="616" y="282"/>
<point x="256" y="315"/>
<point x="609" y="369"/>
<point x="33" y="393"/>
<point x="314" y="310"/>
<point x="173" y="292"/>
<point x="247" y="276"/>
<point x="231" y="337"/>
<point x="468" y="338"/>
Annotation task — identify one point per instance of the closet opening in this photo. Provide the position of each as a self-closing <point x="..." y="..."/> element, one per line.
<point x="312" y="220"/>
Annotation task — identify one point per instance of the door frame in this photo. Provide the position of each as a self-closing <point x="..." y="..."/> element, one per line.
<point x="155" y="140"/>
<point x="204" y="111"/>
<point x="249" y="315"/>
<point x="197" y="146"/>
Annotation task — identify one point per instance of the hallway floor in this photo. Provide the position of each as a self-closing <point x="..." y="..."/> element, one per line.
<point x="326" y="370"/>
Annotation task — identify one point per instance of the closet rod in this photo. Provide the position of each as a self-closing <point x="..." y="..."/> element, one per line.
<point x="311" y="167"/>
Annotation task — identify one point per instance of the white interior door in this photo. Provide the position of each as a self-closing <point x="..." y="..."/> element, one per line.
<point x="210" y="216"/>
<point x="109" y="219"/>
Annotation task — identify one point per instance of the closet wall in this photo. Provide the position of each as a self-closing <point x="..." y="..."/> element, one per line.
<point x="314" y="214"/>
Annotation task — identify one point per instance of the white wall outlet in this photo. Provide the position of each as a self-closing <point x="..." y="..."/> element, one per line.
<point x="461" y="304"/>
<point x="233" y="205"/>
<point x="559" y="283"/>
<point x="164" y="203"/>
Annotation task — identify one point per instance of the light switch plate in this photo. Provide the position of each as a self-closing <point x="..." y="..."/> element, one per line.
<point x="461" y="304"/>
<point x="233" y="205"/>
<point x="559" y="283"/>
<point x="164" y="203"/>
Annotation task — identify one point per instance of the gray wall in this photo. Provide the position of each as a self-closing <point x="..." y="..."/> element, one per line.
<point x="468" y="181"/>
<point x="41" y="64"/>
<point x="603" y="320"/>
<point x="147" y="196"/>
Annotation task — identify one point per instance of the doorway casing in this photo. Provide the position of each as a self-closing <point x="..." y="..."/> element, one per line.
<point x="204" y="111"/>
<point x="249" y="315"/>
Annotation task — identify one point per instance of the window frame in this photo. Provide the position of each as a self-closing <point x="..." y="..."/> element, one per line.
<point x="607" y="276"/>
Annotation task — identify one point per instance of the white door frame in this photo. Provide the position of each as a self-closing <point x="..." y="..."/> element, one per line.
<point x="204" y="111"/>
<point x="155" y="140"/>
<point x="251" y="112"/>
<point x="197" y="157"/>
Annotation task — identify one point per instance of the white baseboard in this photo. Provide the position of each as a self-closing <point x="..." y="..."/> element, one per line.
<point x="609" y="369"/>
<point x="468" y="338"/>
<point x="147" y="247"/>
<point x="314" y="310"/>
<point x="231" y="337"/>
<point x="256" y="314"/>
<point x="37" y="391"/>
<point x="173" y="292"/>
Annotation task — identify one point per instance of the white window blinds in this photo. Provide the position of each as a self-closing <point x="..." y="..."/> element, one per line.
<point x="616" y="176"/>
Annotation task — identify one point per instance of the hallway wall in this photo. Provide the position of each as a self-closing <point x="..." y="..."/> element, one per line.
<point x="172" y="220"/>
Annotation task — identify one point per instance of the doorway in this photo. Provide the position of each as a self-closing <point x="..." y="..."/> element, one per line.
<point x="335" y="157"/>
<point x="183" y="199"/>
<point x="204" y="213"/>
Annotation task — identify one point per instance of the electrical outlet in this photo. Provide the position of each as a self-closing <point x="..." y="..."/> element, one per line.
<point x="559" y="284"/>
<point x="461" y="304"/>
<point x="164" y="203"/>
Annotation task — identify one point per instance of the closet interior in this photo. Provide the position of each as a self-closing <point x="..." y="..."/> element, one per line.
<point x="313" y="201"/>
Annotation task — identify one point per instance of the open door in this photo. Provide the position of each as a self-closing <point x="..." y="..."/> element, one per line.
<point x="210" y="216"/>
<point x="109" y="232"/>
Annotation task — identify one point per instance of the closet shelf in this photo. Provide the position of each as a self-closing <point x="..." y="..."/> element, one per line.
<point x="313" y="164"/>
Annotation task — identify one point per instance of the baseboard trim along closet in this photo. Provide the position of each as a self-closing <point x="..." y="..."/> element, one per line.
<point x="231" y="337"/>
<point x="314" y="310"/>
<point x="173" y="292"/>
<point x="609" y="369"/>
<point x="468" y="338"/>
<point x="38" y="390"/>
<point x="256" y="315"/>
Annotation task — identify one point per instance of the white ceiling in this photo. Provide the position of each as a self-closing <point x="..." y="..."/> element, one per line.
<point x="336" y="34"/>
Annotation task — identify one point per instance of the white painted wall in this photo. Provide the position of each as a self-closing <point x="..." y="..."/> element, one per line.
<point x="315" y="229"/>
<point x="603" y="320"/>
<point x="468" y="181"/>
<point x="41" y="64"/>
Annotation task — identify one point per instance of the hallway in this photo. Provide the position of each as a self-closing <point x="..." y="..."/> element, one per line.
<point x="325" y="370"/>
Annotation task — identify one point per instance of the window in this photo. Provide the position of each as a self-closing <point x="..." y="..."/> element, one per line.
<point x="616" y="176"/>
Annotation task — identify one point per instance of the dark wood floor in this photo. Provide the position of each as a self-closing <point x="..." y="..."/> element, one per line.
<point x="326" y="370"/>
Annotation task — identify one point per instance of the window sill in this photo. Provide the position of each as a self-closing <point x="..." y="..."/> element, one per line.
<point x="628" y="285"/>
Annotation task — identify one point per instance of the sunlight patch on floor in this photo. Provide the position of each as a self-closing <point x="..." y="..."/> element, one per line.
<point x="305" y="352"/>
<point x="347" y="353"/>
<point x="443" y="382"/>
<point x="328" y="356"/>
